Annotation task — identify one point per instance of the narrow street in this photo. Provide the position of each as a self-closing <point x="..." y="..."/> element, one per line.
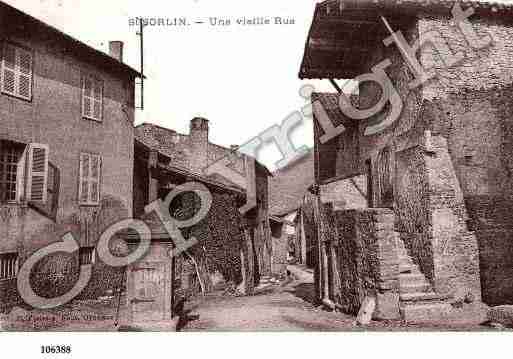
<point x="286" y="307"/>
<point x="276" y="308"/>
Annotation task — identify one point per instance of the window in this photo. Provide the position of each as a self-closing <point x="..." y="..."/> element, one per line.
<point x="86" y="255"/>
<point x="92" y="98"/>
<point x="8" y="265"/>
<point x="9" y="158"/>
<point x="16" y="75"/>
<point x="89" y="183"/>
<point x="23" y="172"/>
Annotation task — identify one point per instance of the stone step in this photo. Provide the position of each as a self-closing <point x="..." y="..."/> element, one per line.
<point x="405" y="259"/>
<point x="414" y="287"/>
<point x="410" y="278"/>
<point x="420" y="297"/>
<point x="408" y="268"/>
<point x="426" y="312"/>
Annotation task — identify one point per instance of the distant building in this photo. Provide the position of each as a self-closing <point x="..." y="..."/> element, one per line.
<point x="289" y="189"/>
<point x="66" y="148"/>
<point x="182" y="158"/>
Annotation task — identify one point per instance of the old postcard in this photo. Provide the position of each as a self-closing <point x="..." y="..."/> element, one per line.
<point x="199" y="166"/>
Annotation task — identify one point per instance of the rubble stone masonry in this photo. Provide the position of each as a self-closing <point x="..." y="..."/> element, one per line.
<point x="367" y="260"/>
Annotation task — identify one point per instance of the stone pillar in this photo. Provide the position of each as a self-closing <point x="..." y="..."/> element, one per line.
<point x="149" y="290"/>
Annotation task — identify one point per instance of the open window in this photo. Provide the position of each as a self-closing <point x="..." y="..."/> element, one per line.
<point x="26" y="175"/>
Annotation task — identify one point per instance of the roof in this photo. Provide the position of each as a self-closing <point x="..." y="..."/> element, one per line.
<point x="109" y="61"/>
<point x="168" y="167"/>
<point x="289" y="185"/>
<point x="175" y="146"/>
<point x="343" y="31"/>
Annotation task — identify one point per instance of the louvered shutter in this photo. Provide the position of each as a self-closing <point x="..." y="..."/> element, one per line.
<point x="37" y="179"/>
<point x="83" y="188"/>
<point x="97" y="100"/>
<point x="87" y="97"/>
<point x="94" y="189"/>
<point x="24" y="66"/>
<point x="90" y="174"/>
<point x="9" y="69"/>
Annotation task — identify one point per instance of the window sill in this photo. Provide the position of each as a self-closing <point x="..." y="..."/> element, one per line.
<point x="26" y="99"/>
<point x="89" y="204"/>
<point x="7" y="280"/>
<point x="11" y="204"/>
<point x="91" y="119"/>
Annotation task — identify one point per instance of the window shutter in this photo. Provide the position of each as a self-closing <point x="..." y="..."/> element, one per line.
<point x="24" y="65"/>
<point x="97" y="100"/>
<point x="87" y="97"/>
<point x="95" y="179"/>
<point x="37" y="179"/>
<point x="90" y="174"/>
<point x="83" y="188"/>
<point x="9" y="69"/>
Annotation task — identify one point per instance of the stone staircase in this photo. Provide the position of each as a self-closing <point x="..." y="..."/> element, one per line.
<point x="417" y="300"/>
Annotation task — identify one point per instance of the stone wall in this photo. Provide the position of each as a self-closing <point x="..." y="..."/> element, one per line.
<point x="367" y="260"/>
<point x="412" y="208"/>
<point x="477" y="125"/>
<point x="455" y="249"/>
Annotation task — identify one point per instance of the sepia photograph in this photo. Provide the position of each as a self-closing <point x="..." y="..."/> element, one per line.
<point x="341" y="166"/>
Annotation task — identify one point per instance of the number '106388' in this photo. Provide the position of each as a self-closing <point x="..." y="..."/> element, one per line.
<point x="55" y="349"/>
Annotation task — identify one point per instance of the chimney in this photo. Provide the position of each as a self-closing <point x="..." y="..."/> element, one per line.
<point x="116" y="50"/>
<point x="199" y="144"/>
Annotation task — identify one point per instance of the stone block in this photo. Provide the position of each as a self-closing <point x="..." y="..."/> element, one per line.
<point x="387" y="306"/>
<point x="502" y="314"/>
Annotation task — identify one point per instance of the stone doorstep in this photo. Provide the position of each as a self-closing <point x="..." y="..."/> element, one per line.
<point x="420" y="297"/>
<point x="425" y="312"/>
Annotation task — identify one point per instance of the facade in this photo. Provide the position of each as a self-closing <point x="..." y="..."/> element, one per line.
<point x="61" y="105"/>
<point x="236" y="245"/>
<point x="289" y="189"/>
<point x="443" y="166"/>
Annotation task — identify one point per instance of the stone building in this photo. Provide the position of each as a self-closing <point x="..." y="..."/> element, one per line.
<point x="61" y="105"/>
<point x="440" y="164"/>
<point x="236" y="245"/>
<point x="289" y="192"/>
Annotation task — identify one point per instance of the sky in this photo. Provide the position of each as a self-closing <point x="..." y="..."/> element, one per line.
<point x="243" y="79"/>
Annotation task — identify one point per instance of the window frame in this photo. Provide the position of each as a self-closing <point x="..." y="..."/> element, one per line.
<point x="88" y="202"/>
<point x="17" y="48"/>
<point x="3" y="256"/>
<point x="94" y="80"/>
<point x="20" y="171"/>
